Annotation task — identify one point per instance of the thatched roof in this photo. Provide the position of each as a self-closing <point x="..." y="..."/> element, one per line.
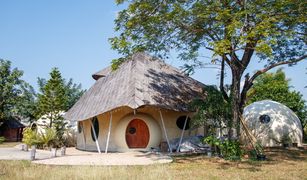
<point x="139" y="81"/>
<point x="12" y="123"/>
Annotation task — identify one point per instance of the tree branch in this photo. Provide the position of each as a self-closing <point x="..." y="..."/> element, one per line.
<point x="275" y="65"/>
<point x="249" y="80"/>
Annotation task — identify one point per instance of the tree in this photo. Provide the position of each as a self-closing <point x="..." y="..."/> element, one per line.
<point x="215" y="111"/>
<point x="53" y="98"/>
<point x="276" y="87"/>
<point x="74" y="91"/>
<point x="235" y="31"/>
<point x="17" y="97"/>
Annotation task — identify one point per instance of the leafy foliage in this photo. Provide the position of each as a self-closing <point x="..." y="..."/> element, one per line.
<point x="52" y="101"/>
<point x="228" y="149"/>
<point x="2" y="139"/>
<point x="276" y="87"/>
<point x="214" y="110"/>
<point x="56" y="97"/>
<point x="17" y="97"/>
<point x="53" y="98"/>
<point x="238" y="31"/>
<point x="30" y="137"/>
<point x="73" y="91"/>
<point x="47" y="138"/>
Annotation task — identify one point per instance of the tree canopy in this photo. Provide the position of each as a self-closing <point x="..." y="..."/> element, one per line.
<point x="17" y="97"/>
<point x="53" y="98"/>
<point x="275" y="86"/>
<point x="213" y="112"/>
<point x="57" y="95"/>
<point x="235" y="31"/>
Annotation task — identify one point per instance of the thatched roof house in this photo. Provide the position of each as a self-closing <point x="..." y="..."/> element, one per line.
<point x="144" y="95"/>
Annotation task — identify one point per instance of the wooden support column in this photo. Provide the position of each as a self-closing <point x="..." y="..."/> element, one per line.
<point x="83" y="132"/>
<point x="180" y="141"/>
<point x="109" y="133"/>
<point x="165" y="133"/>
<point x="96" y="138"/>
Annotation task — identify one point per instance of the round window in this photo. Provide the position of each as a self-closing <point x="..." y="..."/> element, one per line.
<point x="180" y="122"/>
<point x="132" y="130"/>
<point x="33" y="127"/>
<point x="96" y="128"/>
<point x="264" y="119"/>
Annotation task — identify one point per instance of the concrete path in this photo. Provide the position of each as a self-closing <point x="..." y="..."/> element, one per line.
<point x="17" y="154"/>
<point x="76" y="157"/>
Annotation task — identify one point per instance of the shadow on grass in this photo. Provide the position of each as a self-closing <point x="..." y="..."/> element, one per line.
<point x="275" y="156"/>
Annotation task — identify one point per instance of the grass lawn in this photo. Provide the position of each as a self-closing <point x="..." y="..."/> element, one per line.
<point x="282" y="164"/>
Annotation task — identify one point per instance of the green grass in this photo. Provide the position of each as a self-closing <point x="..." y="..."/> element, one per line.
<point x="282" y="164"/>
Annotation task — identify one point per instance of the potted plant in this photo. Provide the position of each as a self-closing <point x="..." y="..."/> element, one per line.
<point x="47" y="137"/>
<point x="54" y="145"/>
<point x="213" y="142"/>
<point x="30" y="138"/>
<point x="260" y="152"/>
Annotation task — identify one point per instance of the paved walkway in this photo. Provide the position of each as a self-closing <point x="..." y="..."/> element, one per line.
<point x="76" y="157"/>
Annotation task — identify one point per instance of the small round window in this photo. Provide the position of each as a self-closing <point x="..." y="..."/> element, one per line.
<point x="33" y="127"/>
<point x="264" y="119"/>
<point x="96" y="128"/>
<point x="80" y="127"/>
<point x="132" y="130"/>
<point x="180" y="122"/>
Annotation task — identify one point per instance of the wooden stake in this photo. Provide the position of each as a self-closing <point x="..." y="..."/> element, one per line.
<point x="83" y="134"/>
<point x="96" y="139"/>
<point x="185" y="123"/>
<point x="109" y="133"/>
<point x="169" y="147"/>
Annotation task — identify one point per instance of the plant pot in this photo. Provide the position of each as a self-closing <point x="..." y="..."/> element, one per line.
<point x="26" y="147"/>
<point x="53" y="152"/>
<point x="209" y="153"/>
<point x="63" y="151"/>
<point x="261" y="157"/>
<point x="32" y="153"/>
<point x="23" y="147"/>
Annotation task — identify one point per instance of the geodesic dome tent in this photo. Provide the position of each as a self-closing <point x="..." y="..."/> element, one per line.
<point x="272" y="123"/>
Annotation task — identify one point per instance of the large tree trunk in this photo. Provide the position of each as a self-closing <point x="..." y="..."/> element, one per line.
<point x="235" y="102"/>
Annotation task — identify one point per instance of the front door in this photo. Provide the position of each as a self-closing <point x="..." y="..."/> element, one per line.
<point x="137" y="134"/>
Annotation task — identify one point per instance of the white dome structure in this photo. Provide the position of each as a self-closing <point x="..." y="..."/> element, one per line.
<point x="273" y="123"/>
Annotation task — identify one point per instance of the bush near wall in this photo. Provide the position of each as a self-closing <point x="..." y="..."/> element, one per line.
<point x="2" y="139"/>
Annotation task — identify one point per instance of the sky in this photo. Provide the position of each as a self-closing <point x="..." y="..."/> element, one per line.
<point x="72" y="35"/>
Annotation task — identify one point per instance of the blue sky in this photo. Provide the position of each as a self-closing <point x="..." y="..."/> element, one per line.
<point x="73" y="35"/>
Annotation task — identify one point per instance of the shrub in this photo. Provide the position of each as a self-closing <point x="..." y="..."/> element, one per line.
<point x="30" y="137"/>
<point x="48" y="138"/>
<point x="70" y="139"/>
<point x="228" y="149"/>
<point x="2" y="139"/>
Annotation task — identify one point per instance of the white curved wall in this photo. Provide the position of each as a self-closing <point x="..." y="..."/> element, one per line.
<point x="283" y="122"/>
<point x="121" y="118"/>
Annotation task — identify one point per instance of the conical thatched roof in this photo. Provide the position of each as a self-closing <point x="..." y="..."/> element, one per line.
<point x="142" y="80"/>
